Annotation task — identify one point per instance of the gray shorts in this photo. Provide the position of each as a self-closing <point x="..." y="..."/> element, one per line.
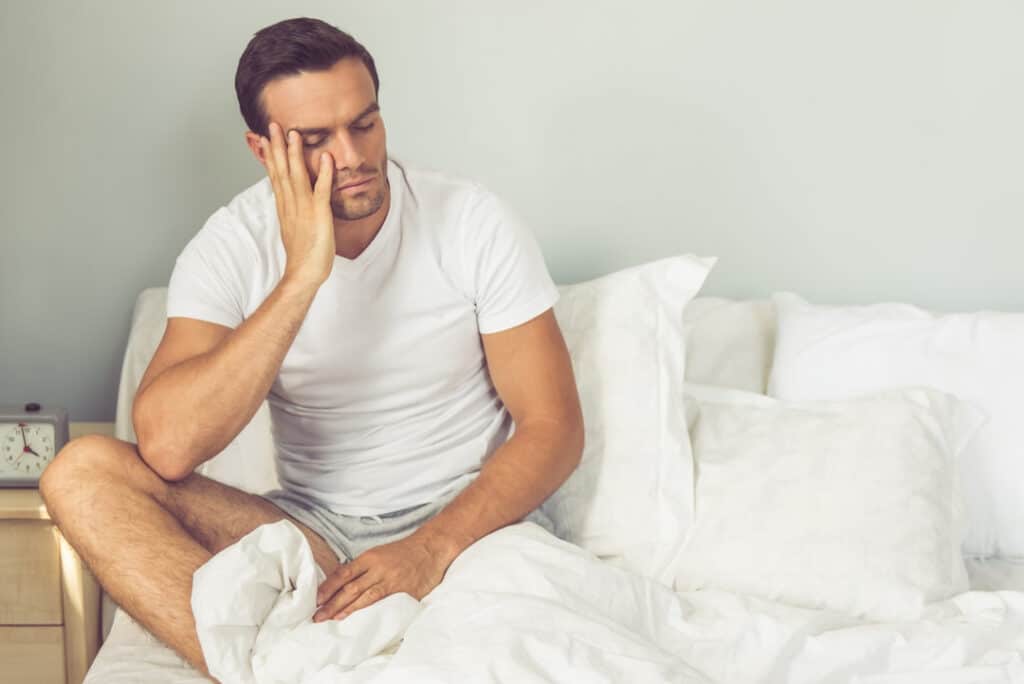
<point x="350" y="535"/>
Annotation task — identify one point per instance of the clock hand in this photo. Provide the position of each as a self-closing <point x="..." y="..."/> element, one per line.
<point x="25" y="442"/>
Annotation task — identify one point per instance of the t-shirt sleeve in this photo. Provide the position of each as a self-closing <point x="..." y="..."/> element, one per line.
<point x="209" y="278"/>
<point x="508" y="277"/>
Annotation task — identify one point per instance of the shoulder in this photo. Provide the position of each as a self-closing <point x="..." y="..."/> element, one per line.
<point x="253" y="209"/>
<point x="445" y="199"/>
<point x="462" y="213"/>
<point x="241" y="227"/>
<point x="219" y="271"/>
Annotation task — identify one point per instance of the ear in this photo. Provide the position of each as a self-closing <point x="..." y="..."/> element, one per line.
<point x="253" y="141"/>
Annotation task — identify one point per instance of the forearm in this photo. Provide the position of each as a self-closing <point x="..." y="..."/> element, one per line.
<point x="193" y="409"/>
<point x="515" y="480"/>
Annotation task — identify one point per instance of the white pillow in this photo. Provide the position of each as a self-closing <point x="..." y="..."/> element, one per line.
<point x="850" y="505"/>
<point x="839" y="352"/>
<point x="630" y="499"/>
<point x="729" y="343"/>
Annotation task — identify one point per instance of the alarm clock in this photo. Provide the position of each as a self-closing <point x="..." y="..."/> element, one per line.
<point x="30" y="437"/>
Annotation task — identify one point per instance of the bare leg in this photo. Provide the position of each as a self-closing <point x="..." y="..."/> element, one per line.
<point x="144" y="537"/>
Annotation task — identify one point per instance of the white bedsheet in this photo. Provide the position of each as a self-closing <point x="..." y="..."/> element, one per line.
<point x="523" y="606"/>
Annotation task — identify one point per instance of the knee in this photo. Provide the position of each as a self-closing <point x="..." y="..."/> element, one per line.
<point x="82" y="463"/>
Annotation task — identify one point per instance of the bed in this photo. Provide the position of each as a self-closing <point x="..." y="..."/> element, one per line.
<point x="715" y="635"/>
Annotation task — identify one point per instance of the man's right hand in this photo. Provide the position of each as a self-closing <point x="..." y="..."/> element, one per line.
<point x="304" y="212"/>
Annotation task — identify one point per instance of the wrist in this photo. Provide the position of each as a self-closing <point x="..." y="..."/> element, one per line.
<point x="440" y="544"/>
<point x="297" y="285"/>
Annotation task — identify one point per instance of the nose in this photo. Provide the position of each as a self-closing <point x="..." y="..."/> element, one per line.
<point x="347" y="154"/>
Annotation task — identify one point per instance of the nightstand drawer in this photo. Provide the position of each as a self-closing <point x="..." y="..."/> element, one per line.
<point x="32" y="655"/>
<point x="30" y="586"/>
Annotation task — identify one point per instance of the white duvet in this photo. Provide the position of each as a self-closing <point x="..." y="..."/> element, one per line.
<point x="521" y="605"/>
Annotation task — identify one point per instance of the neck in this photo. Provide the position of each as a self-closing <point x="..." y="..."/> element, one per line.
<point x="351" y="238"/>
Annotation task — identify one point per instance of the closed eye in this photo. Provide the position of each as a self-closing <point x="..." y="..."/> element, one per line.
<point x="317" y="142"/>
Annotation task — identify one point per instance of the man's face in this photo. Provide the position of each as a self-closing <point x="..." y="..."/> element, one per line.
<point x="336" y="111"/>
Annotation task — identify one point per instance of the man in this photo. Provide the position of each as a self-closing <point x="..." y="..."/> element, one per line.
<point x="397" y="321"/>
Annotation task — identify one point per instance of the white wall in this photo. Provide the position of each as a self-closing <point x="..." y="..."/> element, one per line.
<point x="851" y="151"/>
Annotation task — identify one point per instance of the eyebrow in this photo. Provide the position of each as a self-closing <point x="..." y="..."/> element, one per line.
<point x="374" y="107"/>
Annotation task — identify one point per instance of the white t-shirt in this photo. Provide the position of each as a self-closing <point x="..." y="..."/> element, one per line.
<point x="383" y="401"/>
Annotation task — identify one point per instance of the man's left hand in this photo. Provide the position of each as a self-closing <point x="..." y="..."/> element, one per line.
<point x="411" y="565"/>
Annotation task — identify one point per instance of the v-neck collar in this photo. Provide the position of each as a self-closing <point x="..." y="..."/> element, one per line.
<point x="352" y="268"/>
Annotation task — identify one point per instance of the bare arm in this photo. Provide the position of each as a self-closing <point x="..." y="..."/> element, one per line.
<point x="206" y="381"/>
<point x="532" y="372"/>
<point x="187" y="411"/>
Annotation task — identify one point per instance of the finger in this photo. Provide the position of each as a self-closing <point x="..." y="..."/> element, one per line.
<point x="280" y="162"/>
<point x="343" y="574"/>
<point x="340" y="577"/>
<point x="367" y="598"/>
<point x="349" y="593"/>
<point x="268" y="160"/>
<point x="296" y="165"/>
<point x="324" y="179"/>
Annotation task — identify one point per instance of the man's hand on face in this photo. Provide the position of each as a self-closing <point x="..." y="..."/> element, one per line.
<point x="303" y="210"/>
<point x="408" y="565"/>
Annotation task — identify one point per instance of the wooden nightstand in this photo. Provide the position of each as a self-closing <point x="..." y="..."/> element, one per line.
<point x="49" y="601"/>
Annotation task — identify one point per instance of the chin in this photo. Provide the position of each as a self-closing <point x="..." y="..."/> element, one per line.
<point x="359" y="209"/>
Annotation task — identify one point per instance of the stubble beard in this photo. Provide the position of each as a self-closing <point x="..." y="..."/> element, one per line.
<point x="358" y="207"/>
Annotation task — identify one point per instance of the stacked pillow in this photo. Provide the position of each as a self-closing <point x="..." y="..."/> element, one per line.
<point x="630" y="499"/>
<point x="839" y="352"/>
<point x="846" y="490"/>
<point x="850" y="503"/>
<point x="852" y="506"/>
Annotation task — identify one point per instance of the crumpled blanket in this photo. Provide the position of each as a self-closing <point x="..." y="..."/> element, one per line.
<point x="254" y="601"/>
<point x="521" y="605"/>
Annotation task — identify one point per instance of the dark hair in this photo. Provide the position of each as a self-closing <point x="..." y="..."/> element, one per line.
<point x="288" y="48"/>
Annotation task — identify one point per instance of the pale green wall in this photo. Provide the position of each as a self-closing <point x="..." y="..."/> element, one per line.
<point x="851" y="151"/>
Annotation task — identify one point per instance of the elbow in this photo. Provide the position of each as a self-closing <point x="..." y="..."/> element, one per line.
<point x="162" y="457"/>
<point x="168" y="464"/>
<point x="172" y="470"/>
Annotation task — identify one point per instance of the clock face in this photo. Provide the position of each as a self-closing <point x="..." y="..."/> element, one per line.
<point x="25" y="448"/>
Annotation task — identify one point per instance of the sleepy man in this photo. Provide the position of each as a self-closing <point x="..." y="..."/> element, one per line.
<point x="398" y="322"/>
